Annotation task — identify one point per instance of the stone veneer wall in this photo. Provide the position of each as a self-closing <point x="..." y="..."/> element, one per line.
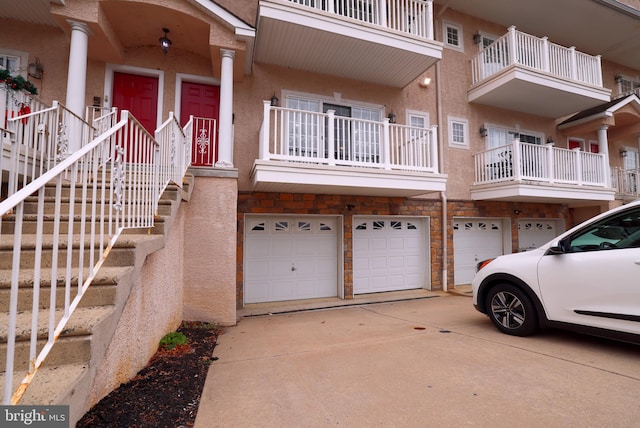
<point x="313" y="204"/>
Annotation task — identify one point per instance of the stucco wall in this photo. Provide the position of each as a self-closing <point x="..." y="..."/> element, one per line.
<point x="210" y="251"/>
<point x="153" y="309"/>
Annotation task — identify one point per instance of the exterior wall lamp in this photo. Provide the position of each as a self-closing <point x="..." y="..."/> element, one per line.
<point x="618" y="78"/>
<point x="623" y="152"/>
<point x="35" y="69"/>
<point x="165" y="43"/>
<point x="392" y="117"/>
<point x="483" y="132"/>
<point x="477" y="37"/>
<point x="274" y="100"/>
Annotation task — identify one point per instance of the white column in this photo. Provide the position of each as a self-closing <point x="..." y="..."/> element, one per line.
<point x="603" y="147"/>
<point x="225" y="135"/>
<point x="77" y="76"/>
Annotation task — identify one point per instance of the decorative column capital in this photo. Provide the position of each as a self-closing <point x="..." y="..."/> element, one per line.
<point x="79" y="26"/>
<point x="228" y="53"/>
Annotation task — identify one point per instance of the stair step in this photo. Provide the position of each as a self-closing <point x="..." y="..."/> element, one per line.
<point x="72" y="346"/>
<point x="123" y="253"/>
<point x="102" y="290"/>
<point x="31" y="206"/>
<point x="49" y="383"/>
<point x="172" y="191"/>
<point x="29" y="223"/>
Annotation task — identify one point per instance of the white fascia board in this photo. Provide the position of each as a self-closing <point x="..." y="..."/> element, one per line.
<point x="242" y="29"/>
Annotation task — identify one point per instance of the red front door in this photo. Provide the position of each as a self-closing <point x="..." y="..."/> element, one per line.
<point x="202" y="102"/>
<point x="139" y="95"/>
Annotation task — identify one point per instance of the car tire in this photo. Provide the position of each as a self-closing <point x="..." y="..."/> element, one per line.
<point x="511" y="310"/>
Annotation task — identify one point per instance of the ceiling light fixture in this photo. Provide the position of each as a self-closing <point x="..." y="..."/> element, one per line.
<point x="165" y="43"/>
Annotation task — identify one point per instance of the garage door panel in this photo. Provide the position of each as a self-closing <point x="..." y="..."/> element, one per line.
<point x="290" y="258"/>
<point x="474" y="240"/>
<point x="535" y="232"/>
<point x="389" y="254"/>
<point x="397" y="262"/>
<point x="260" y="248"/>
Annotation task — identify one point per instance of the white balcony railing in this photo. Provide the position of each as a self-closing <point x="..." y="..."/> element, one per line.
<point x="626" y="182"/>
<point x="538" y="54"/>
<point x="542" y="163"/>
<point x="408" y="16"/>
<point x="326" y="139"/>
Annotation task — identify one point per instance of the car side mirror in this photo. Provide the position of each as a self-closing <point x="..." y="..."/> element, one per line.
<point x="563" y="247"/>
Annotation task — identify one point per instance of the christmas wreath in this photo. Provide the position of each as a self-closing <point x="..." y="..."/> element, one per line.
<point x="17" y="83"/>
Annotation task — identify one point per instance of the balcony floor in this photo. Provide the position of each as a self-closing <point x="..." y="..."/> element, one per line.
<point x="275" y="176"/>
<point x="536" y="192"/>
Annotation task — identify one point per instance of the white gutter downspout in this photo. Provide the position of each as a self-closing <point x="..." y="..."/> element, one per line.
<point x="443" y="195"/>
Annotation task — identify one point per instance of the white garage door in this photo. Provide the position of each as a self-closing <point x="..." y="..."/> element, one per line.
<point x="534" y="233"/>
<point x="389" y="254"/>
<point x="474" y="240"/>
<point x="289" y="258"/>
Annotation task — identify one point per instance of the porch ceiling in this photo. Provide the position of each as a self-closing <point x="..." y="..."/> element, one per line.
<point x="332" y="45"/>
<point x="597" y="27"/>
<point x="119" y="26"/>
<point x="532" y="92"/>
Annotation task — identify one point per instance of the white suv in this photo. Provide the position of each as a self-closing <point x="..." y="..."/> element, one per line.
<point x="587" y="279"/>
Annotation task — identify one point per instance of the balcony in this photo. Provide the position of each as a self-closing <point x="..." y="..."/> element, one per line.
<point x="309" y="152"/>
<point x="387" y="42"/>
<point x="532" y="75"/>
<point x="522" y="172"/>
<point x="626" y="182"/>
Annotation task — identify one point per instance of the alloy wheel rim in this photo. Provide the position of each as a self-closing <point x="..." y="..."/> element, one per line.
<point x="508" y="310"/>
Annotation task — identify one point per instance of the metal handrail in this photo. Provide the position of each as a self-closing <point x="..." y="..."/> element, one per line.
<point x="115" y="182"/>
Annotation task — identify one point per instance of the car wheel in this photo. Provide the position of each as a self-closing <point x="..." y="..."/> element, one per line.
<point x="511" y="310"/>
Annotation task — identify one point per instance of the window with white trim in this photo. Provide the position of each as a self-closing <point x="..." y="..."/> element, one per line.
<point x="628" y="85"/>
<point x="458" y="132"/>
<point x="497" y="136"/>
<point x="487" y="39"/>
<point x="452" y="36"/>
<point x="631" y="160"/>
<point x="10" y="62"/>
<point x="307" y="133"/>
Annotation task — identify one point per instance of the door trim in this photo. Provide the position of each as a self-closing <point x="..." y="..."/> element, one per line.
<point x="109" y="71"/>
<point x="193" y="78"/>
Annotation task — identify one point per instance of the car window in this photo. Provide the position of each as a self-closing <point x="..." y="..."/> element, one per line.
<point x="618" y="231"/>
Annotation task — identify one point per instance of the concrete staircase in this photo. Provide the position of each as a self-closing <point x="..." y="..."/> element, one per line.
<point x="66" y="374"/>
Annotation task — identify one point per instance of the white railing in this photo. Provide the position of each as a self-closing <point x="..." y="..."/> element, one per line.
<point x="205" y="142"/>
<point x="539" y="54"/>
<point x="16" y="103"/>
<point x="110" y="184"/>
<point x="102" y="119"/>
<point x="543" y="163"/>
<point x="38" y="141"/>
<point x="408" y="16"/>
<point x="635" y="91"/>
<point x="324" y="138"/>
<point x="626" y="182"/>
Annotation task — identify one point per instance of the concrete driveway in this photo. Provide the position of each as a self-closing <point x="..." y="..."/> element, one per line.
<point x="432" y="362"/>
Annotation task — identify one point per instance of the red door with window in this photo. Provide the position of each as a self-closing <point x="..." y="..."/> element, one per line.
<point x="203" y="103"/>
<point x="139" y="95"/>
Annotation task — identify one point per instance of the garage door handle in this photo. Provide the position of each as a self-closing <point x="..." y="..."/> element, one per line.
<point x="293" y="268"/>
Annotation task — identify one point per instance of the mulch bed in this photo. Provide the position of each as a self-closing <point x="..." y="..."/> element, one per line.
<point x="166" y="393"/>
